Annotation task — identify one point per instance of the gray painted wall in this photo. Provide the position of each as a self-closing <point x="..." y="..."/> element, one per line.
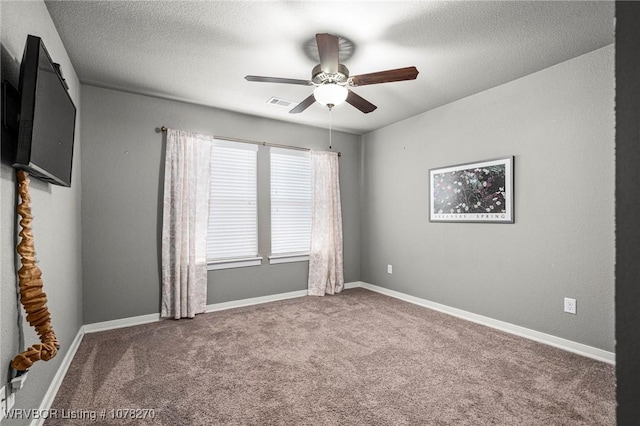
<point x="123" y="159"/>
<point x="56" y="212"/>
<point x="559" y="125"/>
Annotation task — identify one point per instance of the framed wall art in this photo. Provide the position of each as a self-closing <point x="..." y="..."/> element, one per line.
<point x="472" y="192"/>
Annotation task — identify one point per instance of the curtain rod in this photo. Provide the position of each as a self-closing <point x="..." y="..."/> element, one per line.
<point x="164" y="129"/>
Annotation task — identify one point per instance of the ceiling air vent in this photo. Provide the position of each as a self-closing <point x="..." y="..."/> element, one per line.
<point x="281" y="102"/>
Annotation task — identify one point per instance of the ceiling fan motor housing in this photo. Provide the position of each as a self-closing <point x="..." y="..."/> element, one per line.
<point x="320" y="77"/>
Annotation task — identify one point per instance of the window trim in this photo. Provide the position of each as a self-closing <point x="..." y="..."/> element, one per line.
<point x="276" y="259"/>
<point x="290" y="256"/>
<point x="250" y="259"/>
<point x="214" y="265"/>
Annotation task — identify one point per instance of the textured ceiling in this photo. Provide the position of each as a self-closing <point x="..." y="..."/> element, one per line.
<point x="199" y="52"/>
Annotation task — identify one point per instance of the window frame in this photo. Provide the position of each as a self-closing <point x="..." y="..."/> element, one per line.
<point x="294" y="255"/>
<point x="235" y="261"/>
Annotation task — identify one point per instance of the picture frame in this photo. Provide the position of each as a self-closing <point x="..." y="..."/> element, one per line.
<point x="479" y="192"/>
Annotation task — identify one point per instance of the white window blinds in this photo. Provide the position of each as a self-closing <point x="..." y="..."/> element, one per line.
<point x="290" y="201"/>
<point x="233" y="212"/>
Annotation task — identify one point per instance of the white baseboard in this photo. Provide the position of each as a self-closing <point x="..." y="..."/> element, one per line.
<point x="255" y="301"/>
<point x="558" y="342"/>
<point x="144" y="319"/>
<point x="271" y="298"/>
<point x="120" y="323"/>
<point x="353" y="284"/>
<point x="50" y="395"/>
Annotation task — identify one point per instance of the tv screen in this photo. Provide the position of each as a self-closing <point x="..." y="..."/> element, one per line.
<point x="47" y="118"/>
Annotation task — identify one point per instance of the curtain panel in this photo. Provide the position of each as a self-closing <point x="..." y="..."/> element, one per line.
<point x="326" y="270"/>
<point x="184" y="224"/>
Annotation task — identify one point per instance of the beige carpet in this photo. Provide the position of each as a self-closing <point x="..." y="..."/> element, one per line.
<point x="353" y="359"/>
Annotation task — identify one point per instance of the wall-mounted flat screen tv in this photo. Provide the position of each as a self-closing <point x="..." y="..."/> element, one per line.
<point x="47" y="118"/>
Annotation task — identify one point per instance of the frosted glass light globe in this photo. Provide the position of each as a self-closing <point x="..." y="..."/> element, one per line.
<point x="330" y="94"/>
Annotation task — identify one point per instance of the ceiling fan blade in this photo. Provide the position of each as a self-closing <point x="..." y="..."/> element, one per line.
<point x="400" y="74"/>
<point x="361" y="103"/>
<point x="277" y="80"/>
<point x="303" y="105"/>
<point x="328" y="49"/>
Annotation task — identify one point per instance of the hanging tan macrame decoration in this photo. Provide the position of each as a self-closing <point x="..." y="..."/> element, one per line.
<point x="32" y="297"/>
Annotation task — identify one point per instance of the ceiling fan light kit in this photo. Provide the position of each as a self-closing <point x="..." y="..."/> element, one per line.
<point x="330" y="94"/>
<point x="331" y="79"/>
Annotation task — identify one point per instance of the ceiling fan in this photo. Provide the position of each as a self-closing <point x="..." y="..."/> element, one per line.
<point x="331" y="79"/>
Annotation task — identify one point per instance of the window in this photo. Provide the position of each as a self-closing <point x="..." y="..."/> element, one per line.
<point x="290" y="205"/>
<point x="232" y="236"/>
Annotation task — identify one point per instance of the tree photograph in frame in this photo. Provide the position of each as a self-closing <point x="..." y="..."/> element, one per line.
<point x="472" y="192"/>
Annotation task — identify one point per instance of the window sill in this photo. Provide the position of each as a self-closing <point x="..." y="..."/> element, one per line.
<point x="233" y="263"/>
<point x="275" y="259"/>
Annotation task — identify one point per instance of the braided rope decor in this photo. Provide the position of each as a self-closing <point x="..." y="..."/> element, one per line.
<point x="32" y="297"/>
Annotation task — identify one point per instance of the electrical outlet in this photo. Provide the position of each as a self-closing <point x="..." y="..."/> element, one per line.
<point x="7" y="399"/>
<point x="389" y="269"/>
<point x="570" y="305"/>
<point x="3" y="405"/>
<point x="18" y="382"/>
